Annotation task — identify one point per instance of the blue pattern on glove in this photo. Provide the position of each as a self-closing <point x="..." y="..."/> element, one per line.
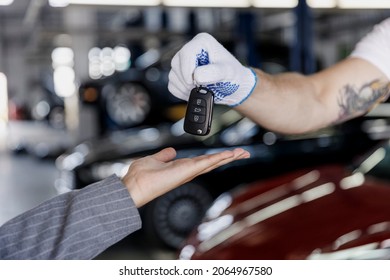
<point x="223" y="89"/>
<point x="202" y="58"/>
<point x="220" y="89"/>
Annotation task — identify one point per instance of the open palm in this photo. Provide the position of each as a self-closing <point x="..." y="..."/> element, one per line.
<point x="154" y="175"/>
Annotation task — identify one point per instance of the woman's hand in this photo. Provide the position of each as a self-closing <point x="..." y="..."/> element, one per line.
<point x="155" y="175"/>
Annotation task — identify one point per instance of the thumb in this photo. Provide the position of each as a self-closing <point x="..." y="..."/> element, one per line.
<point x="165" y="155"/>
<point x="209" y="74"/>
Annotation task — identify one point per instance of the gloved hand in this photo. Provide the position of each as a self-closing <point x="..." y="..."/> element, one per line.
<point x="204" y="61"/>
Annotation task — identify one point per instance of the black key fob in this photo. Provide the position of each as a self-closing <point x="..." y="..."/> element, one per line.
<point x="199" y="112"/>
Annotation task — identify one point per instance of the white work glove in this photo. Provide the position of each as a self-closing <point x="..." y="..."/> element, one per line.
<point x="204" y="61"/>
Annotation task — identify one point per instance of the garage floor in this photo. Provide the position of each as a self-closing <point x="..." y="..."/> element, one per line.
<point x="26" y="181"/>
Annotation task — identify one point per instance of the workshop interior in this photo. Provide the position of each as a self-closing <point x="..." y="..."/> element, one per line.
<point x="84" y="93"/>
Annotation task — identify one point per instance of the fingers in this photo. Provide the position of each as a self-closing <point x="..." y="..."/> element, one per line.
<point x="207" y="163"/>
<point x="237" y="155"/>
<point x="176" y="87"/>
<point x="200" y="164"/>
<point x="187" y="62"/>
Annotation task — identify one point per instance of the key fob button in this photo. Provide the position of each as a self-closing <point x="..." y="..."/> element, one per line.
<point x="200" y="102"/>
<point x="198" y="119"/>
<point x="198" y="110"/>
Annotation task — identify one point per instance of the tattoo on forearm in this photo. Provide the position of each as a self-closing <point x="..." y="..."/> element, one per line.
<point x="354" y="102"/>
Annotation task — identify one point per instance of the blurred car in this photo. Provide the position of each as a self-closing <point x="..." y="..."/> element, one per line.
<point x="45" y="113"/>
<point x="170" y="218"/>
<point x="332" y="211"/>
<point x="45" y="105"/>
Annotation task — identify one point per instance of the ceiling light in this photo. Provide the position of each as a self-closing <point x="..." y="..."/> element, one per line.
<point x="208" y="3"/>
<point x="364" y="4"/>
<point x="105" y="2"/>
<point x="275" y="3"/>
<point x="58" y="3"/>
<point x="3" y="100"/>
<point x="322" y="3"/>
<point x="6" y="2"/>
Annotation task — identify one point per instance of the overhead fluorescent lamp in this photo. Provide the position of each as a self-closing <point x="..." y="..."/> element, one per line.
<point x="208" y="3"/>
<point x="322" y="3"/>
<point x="3" y="100"/>
<point x="6" y="2"/>
<point x="275" y="3"/>
<point x="107" y="2"/>
<point x="58" y="3"/>
<point x="364" y="4"/>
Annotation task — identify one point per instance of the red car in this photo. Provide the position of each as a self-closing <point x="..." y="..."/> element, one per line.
<point x="326" y="212"/>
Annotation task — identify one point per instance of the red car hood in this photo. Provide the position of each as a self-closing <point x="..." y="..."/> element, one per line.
<point x="321" y="213"/>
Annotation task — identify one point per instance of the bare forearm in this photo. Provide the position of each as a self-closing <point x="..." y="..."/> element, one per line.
<point x="287" y="103"/>
<point x="292" y="103"/>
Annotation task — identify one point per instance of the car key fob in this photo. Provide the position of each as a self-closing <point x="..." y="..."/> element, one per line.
<point x="199" y="112"/>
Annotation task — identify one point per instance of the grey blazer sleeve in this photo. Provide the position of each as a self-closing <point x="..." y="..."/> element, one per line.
<point x="76" y="225"/>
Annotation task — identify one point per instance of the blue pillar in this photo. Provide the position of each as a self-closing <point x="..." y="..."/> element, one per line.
<point x="302" y="58"/>
<point x="246" y="25"/>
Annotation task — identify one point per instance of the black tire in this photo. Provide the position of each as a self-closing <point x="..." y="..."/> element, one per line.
<point x="171" y="218"/>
